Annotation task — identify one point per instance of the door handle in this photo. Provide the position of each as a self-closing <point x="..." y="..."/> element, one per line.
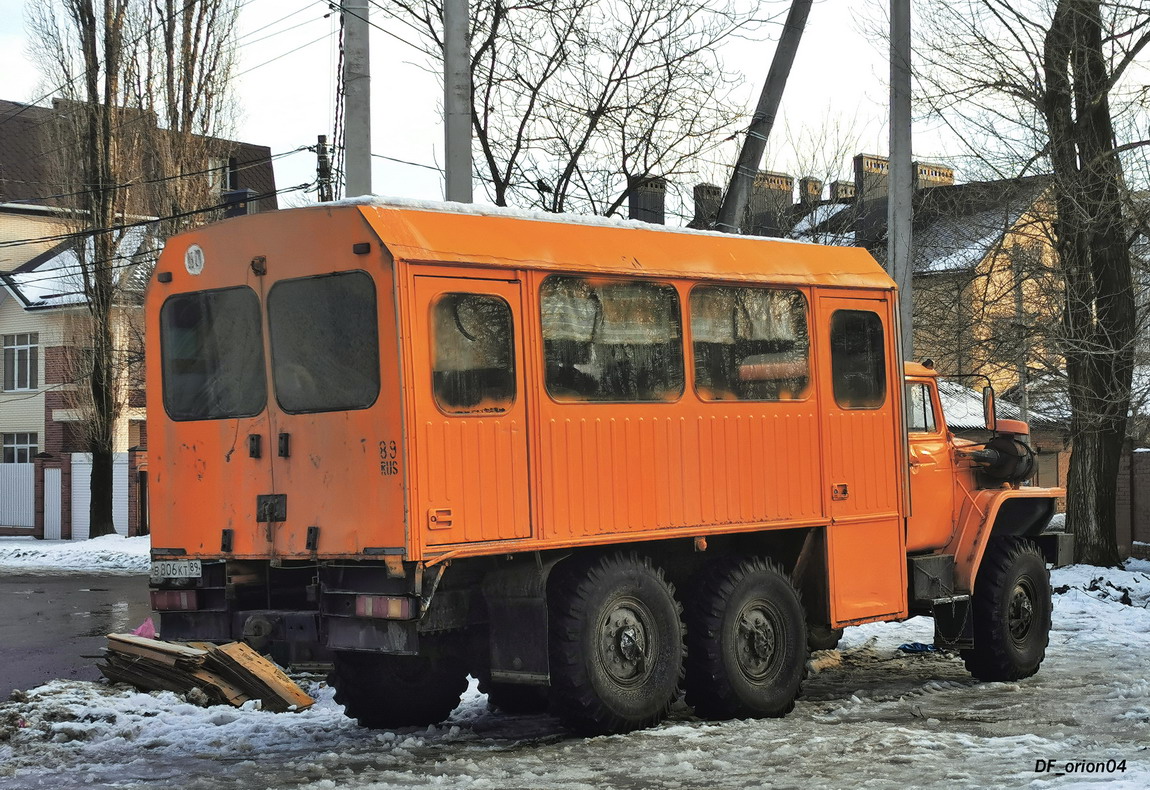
<point x="255" y="442"/>
<point x="284" y="445"/>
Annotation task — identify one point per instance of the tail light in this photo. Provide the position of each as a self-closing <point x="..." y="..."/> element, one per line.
<point x="387" y="607"/>
<point x="174" y="600"/>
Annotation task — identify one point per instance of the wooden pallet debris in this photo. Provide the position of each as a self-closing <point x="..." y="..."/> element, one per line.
<point x="225" y="674"/>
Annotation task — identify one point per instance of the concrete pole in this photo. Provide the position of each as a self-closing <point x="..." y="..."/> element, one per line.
<point x="751" y="155"/>
<point x="900" y="243"/>
<point x="457" y="100"/>
<point x="356" y="98"/>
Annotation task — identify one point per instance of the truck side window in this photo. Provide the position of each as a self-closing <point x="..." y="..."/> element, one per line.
<point x="325" y="342"/>
<point x="473" y="369"/>
<point x="609" y="340"/>
<point x="750" y="343"/>
<point x="212" y="353"/>
<point x="919" y="409"/>
<point x="858" y="359"/>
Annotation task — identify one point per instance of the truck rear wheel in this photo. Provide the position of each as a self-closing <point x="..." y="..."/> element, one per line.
<point x="1011" y="612"/>
<point x="746" y="641"/>
<point x="384" y="691"/>
<point x="616" y="644"/>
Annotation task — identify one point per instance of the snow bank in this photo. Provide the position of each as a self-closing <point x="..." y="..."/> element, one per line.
<point x="108" y="554"/>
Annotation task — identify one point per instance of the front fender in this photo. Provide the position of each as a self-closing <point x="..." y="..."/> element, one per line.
<point x="997" y="511"/>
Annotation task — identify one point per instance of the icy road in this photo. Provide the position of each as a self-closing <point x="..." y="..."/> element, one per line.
<point x="871" y="717"/>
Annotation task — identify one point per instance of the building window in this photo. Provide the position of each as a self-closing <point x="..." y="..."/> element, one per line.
<point x="750" y="343"/>
<point x="21" y="361"/>
<point x="858" y="359"/>
<point x="611" y="340"/>
<point x="19" y="448"/>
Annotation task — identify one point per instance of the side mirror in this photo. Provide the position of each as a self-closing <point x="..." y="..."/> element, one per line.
<point x="988" y="408"/>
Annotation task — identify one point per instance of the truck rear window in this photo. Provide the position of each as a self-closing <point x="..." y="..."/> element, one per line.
<point x="212" y="354"/>
<point x="324" y="342"/>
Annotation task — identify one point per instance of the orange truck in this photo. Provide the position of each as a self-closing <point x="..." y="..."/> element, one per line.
<point x="589" y="463"/>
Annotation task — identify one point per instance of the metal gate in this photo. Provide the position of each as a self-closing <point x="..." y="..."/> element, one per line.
<point x="17" y="495"/>
<point x="52" y="501"/>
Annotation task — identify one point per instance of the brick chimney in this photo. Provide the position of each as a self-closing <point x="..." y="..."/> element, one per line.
<point x="646" y="199"/>
<point x="931" y="174"/>
<point x="769" y="204"/>
<point x="708" y="198"/>
<point x="872" y="175"/>
<point x="810" y="190"/>
<point x="842" y="191"/>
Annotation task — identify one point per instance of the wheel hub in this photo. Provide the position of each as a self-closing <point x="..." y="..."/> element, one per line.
<point x="1020" y="615"/>
<point x="625" y="642"/>
<point x="758" y="641"/>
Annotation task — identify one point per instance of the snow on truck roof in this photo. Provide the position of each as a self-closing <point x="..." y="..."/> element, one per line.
<point x="491" y="235"/>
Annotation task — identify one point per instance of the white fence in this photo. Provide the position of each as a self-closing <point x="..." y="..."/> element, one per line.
<point x="82" y="494"/>
<point x="17" y="495"/>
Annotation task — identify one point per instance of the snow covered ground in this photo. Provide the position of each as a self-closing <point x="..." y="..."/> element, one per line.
<point x="107" y="554"/>
<point x="871" y="717"/>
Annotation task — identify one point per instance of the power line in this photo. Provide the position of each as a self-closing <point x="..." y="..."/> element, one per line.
<point x="284" y="55"/>
<point x="239" y="166"/>
<point x="192" y="212"/>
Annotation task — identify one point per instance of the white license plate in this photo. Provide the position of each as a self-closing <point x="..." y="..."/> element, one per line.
<point x="176" y="569"/>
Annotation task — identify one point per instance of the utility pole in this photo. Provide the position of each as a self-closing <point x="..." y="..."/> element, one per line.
<point x="457" y="100"/>
<point x="900" y="241"/>
<point x="751" y="155"/>
<point x="323" y="169"/>
<point x="356" y="98"/>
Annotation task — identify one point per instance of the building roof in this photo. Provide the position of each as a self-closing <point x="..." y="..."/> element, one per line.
<point x="27" y="143"/>
<point x="955" y="226"/>
<point x="55" y="278"/>
<point x="962" y="408"/>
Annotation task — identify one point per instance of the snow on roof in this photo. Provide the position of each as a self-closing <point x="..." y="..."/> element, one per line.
<point x="962" y="408"/>
<point x="806" y="227"/>
<point x="56" y="277"/>
<point x="487" y="210"/>
<point x="956" y="243"/>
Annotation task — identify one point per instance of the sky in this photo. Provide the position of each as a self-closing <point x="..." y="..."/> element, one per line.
<point x="284" y="87"/>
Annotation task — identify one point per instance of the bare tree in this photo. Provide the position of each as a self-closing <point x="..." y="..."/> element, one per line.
<point x="140" y="83"/>
<point x="1042" y="86"/>
<point x="575" y="100"/>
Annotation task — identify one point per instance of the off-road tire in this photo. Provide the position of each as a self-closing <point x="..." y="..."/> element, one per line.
<point x="515" y="698"/>
<point x="1011" y="611"/>
<point x="823" y="637"/>
<point x="616" y="644"/>
<point x="385" y="692"/>
<point x="746" y="641"/>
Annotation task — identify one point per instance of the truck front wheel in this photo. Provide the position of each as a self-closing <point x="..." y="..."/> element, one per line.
<point x="616" y="644"/>
<point x="746" y="641"/>
<point x="1011" y="611"/>
<point x="385" y="691"/>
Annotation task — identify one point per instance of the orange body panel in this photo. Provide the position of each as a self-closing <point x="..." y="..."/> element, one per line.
<point x="334" y="476"/>
<point x="404" y="476"/>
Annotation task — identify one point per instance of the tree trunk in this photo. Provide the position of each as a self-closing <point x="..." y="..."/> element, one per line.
<point x="1099" y="318"/>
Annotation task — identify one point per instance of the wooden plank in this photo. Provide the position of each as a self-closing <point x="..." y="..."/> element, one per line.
<point x="258" y="676"/>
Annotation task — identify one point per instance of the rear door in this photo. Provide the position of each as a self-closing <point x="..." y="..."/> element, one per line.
<point x="326" y="440"/>
<point x="470" y="430"/>
<point x="860" y="450"/>
<point x="211" y="452"/>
